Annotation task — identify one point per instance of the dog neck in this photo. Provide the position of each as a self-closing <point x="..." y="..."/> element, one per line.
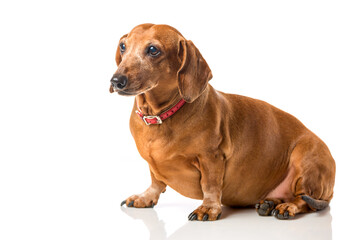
<point x="156" y="101"/>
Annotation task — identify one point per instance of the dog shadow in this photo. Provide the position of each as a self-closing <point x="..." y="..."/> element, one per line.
<point x="240" y="223"/>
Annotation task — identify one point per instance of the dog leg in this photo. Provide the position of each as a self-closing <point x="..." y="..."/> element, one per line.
<point x="312" y="185"/>
<point x="149" y="198"/>
<point x="212" y="174"/>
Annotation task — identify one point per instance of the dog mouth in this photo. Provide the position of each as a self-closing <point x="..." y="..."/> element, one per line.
<point x="125" y="93"/>
<point x="132" y="92"/>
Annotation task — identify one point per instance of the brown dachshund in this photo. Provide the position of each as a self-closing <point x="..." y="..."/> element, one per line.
<point x="221" y="148"/>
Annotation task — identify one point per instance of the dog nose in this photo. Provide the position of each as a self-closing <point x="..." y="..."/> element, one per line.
<point x="119" y="81"/>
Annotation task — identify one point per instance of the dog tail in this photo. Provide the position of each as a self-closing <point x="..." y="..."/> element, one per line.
<point x="314" y="203"/>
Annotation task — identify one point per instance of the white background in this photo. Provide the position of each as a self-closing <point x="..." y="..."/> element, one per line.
<point x="67" y="158"/>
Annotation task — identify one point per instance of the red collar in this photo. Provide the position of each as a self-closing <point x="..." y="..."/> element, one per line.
<point x="158" y="119"/>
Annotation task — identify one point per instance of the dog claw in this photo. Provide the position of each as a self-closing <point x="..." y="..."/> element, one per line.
<point x="274" y="212"/>
<point x="284" y="216"/>
<point x="203" y="216"/>
<point x="270" y="203"/>
<point x="287" y="215"/>
<point x="265" y="206"/>
<point x="131" y="204"/>
<point x="151" y="206"/>
<point x="190" y="215"/>
<point x="193" y="217"/>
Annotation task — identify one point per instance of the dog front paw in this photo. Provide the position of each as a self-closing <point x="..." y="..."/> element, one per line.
<point x="206" y="213"/>
<point x="140" y="201"/>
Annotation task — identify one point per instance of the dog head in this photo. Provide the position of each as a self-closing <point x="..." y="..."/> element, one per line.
<point x="158" y="56"/>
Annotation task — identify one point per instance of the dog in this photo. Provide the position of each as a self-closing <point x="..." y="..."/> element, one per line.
<point x="225" y="149"/>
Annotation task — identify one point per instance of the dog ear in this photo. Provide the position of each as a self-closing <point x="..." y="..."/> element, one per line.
<point x="111" y="90"/>
<point x="117" y="59"/>
<point x="118" y="54"/>
<point x="194" y="72"/>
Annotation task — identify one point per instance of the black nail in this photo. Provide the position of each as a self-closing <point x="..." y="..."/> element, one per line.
<point x="150" y="206"/>
<point x="261" y="212"/>
<point x="274" y="212"/>
<point x="205" y="218"/>
<point x="264" y="206"/>
<point x="131" y="204"/>
<point x="271" y="203"/>
<point x="193" y="217"/>
<point x="218" y="217"/>
<point x="123" y="202"/>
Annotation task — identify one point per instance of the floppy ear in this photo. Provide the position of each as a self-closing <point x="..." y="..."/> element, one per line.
<point x="194" y="72"/>
<point x="118" y="54"/>
<point x="111" y="89"/>
<point x="117" y="59"/>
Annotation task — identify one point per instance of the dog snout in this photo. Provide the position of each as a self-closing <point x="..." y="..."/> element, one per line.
<point x="119" y="81"/>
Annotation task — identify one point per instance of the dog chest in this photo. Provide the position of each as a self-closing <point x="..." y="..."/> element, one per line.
<point x="171" y="163"/>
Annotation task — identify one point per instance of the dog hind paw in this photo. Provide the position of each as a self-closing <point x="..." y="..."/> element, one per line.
<point x="265" y="207"/>
<point x="284" y="211"/>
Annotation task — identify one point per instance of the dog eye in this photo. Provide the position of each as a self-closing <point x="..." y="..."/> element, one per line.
<point x="122" y="47"/>
<point x="153" y="51"/>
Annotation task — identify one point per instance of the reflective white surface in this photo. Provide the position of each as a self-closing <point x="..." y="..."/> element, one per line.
<point x="168" y="221"/>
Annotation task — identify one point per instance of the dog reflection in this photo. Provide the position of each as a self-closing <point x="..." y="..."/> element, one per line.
<point x="239" y="223"/>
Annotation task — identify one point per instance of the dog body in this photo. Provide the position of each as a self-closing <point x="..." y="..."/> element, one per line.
<point x="222" y="148"/>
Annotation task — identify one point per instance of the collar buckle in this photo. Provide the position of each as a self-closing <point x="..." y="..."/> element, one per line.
<point x="158" y="119"/>
<point x="148" y="120"/>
